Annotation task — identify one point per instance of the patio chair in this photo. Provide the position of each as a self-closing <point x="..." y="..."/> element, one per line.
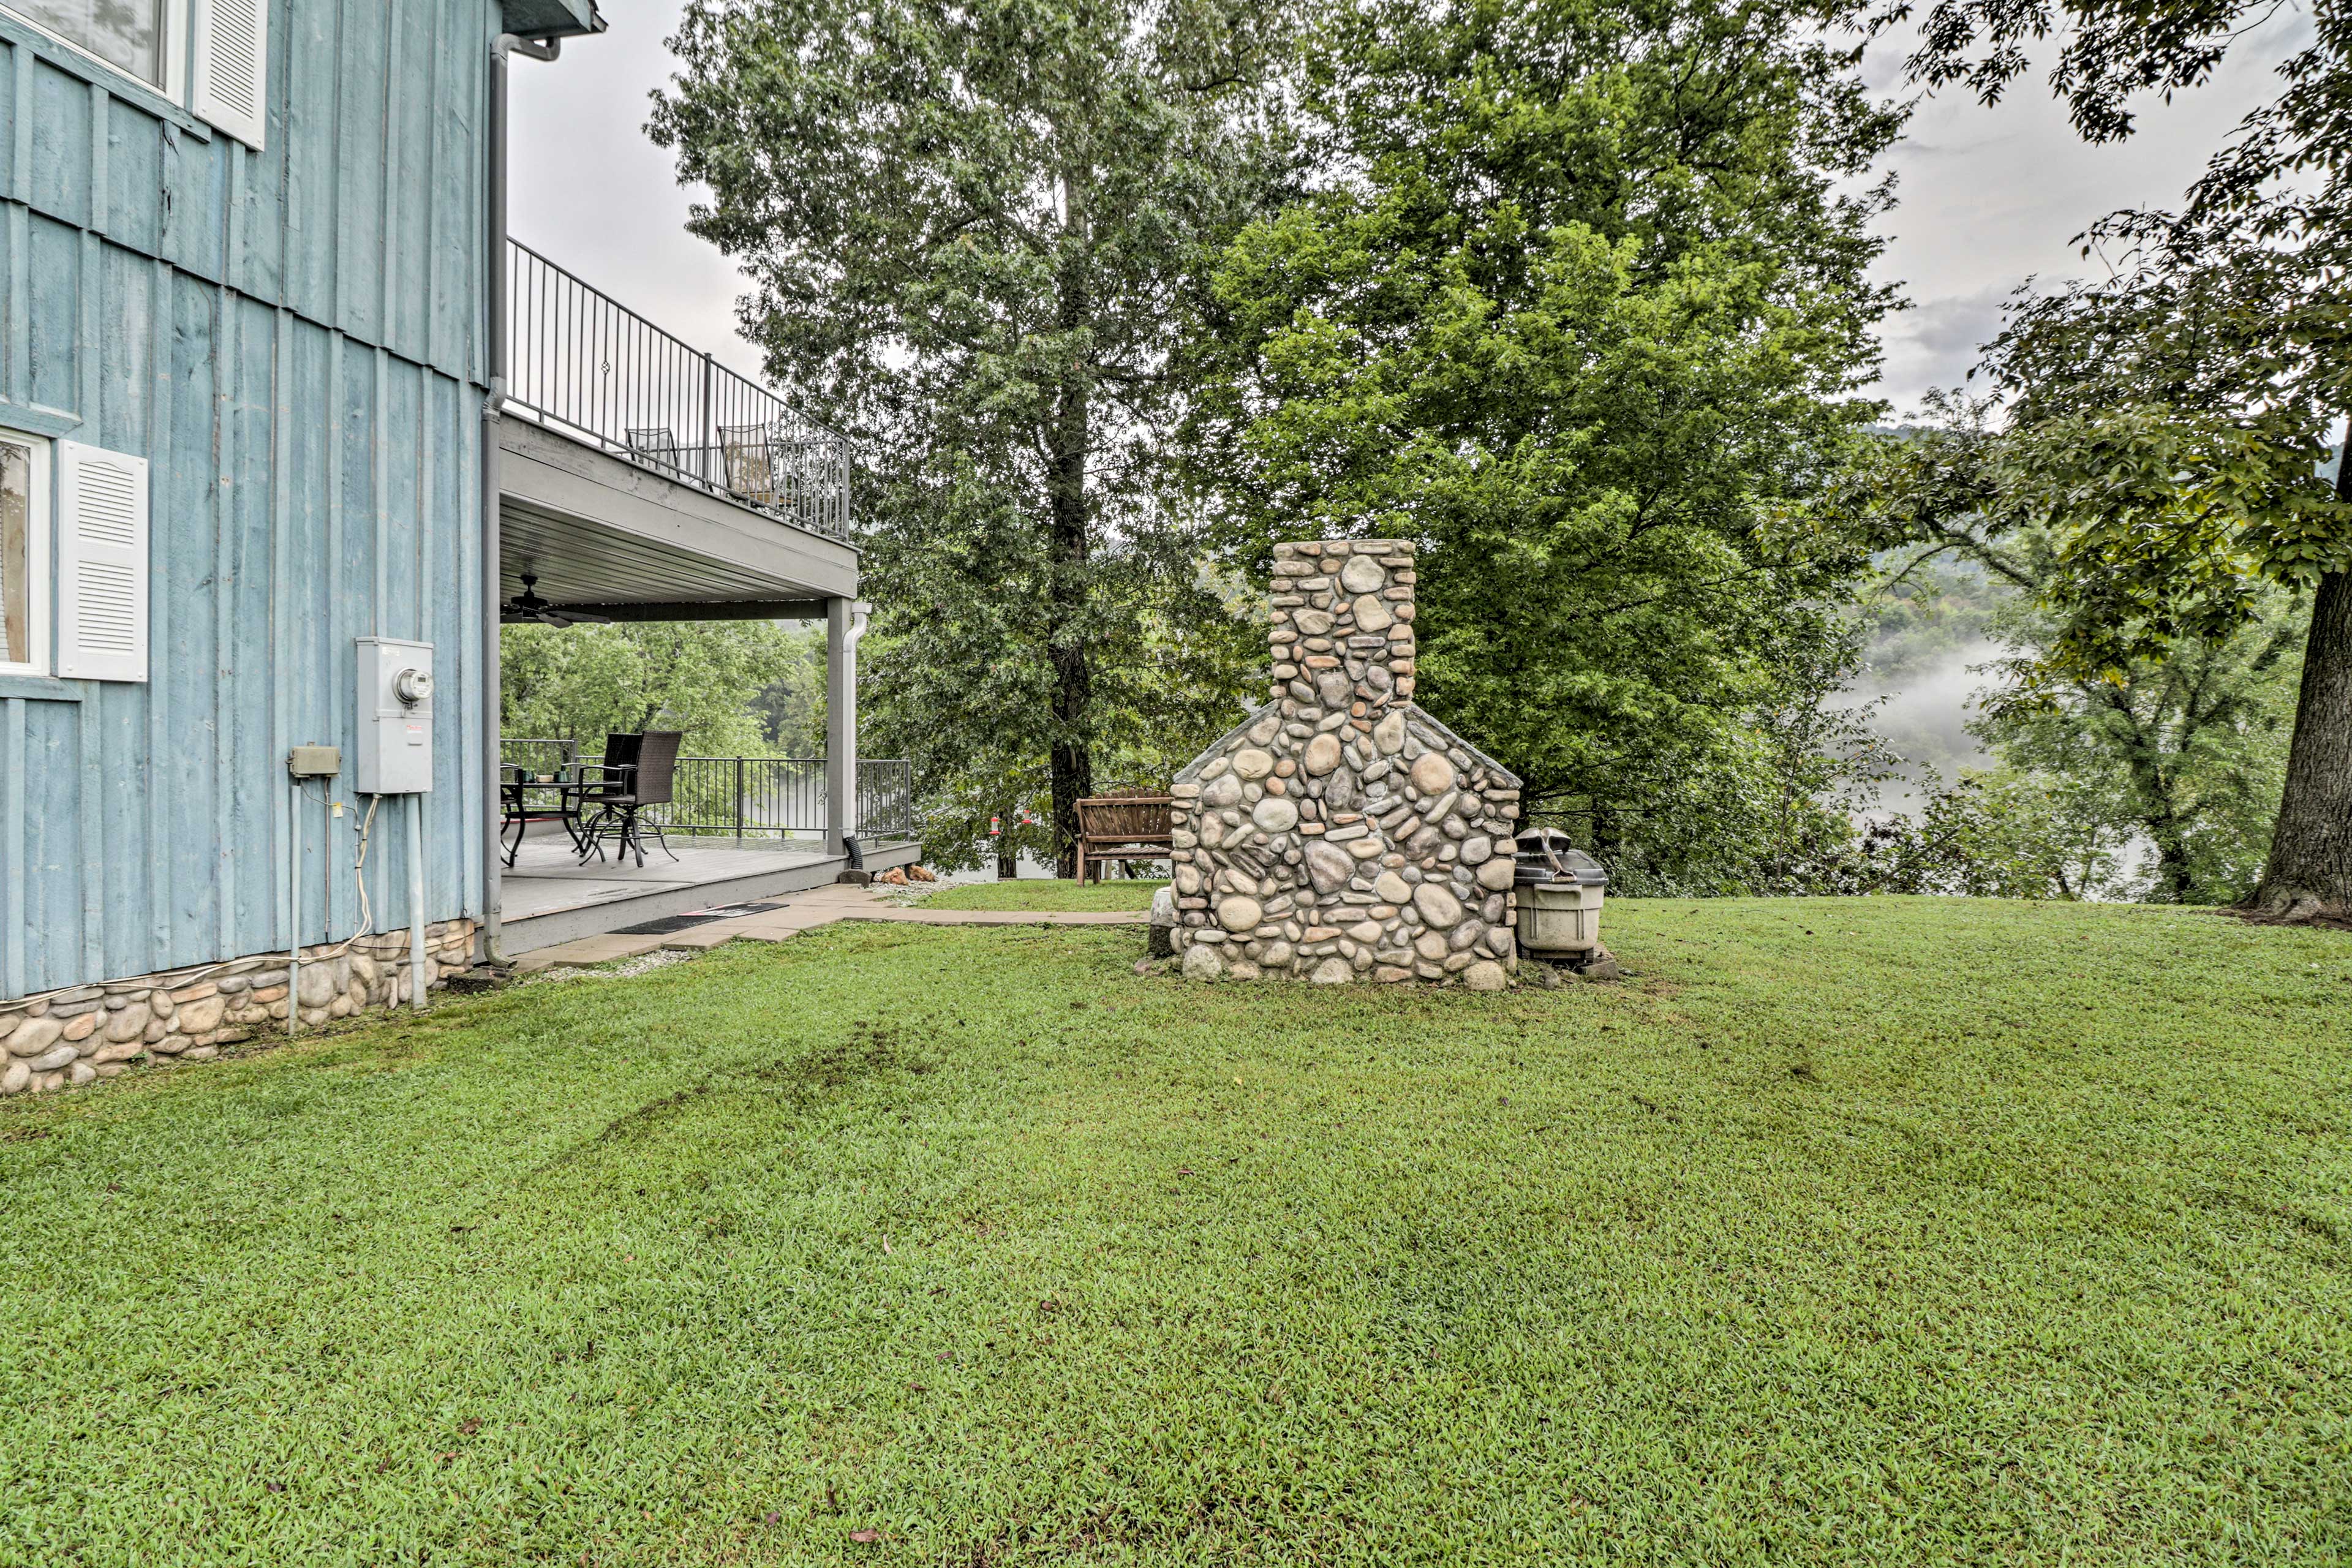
<point x="1126" y="826"/>
<point x="748" y="453"/>
<point x="600" y="782"/>
<point x="621" y="798"/>
<point x="657" y="445"/>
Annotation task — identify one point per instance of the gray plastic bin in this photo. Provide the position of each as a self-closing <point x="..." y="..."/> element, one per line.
<point x="1559" y="888"/>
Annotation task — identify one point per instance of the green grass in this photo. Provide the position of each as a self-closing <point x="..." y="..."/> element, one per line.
<point x="1889" y="1231"/>
<point x="1044" y="893"/>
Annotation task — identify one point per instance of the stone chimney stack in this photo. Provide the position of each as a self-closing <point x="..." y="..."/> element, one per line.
<point x="1340" y="833"/>
<point x="1342" y="633"/>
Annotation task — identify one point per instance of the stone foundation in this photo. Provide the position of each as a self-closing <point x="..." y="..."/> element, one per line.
<point x="186" y="1014"/>
<point x="1341" y="833"/>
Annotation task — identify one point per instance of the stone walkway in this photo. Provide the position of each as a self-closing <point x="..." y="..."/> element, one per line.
<point x="799" y="913"/>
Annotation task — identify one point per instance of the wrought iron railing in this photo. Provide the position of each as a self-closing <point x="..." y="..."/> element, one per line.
<point x="886" y="797"/>
<point x="582" y="362"/>
<point x="540" y="759"/>
<point x="749" y="797"/>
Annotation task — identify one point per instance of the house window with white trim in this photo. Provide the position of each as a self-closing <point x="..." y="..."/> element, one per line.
<point x="210" y="56"/>
<point x="24" y="555"/>
<point x="133" y="36"/>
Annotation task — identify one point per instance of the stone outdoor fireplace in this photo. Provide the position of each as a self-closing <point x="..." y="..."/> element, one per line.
<point x="1340" y="833"/>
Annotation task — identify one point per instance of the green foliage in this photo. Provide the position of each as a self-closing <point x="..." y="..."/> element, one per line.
<point x="2187" y="752"/>
<point x="1924" y="611"/>
<point x="2109" y="51"/>
<point x="960" y="682"/>
<point x="973" y="234"/>
<point x="1781" y="815"/>
<point x="734" y="688"/>
<point x="1582" y="309"/>
<point x="2169" y="723"/>
<point x="2169" y="420"/>
<point x="2163" y="426"/>
<point x="1854" y="1233"/>
<point x="2001" y="833"/>
<point x="791" y="707"/>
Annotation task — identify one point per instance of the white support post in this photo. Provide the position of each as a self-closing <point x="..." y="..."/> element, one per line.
<point x="844" y="620"/>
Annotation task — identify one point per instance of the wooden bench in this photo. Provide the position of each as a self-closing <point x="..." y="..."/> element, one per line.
<point x="1126" y="826"/>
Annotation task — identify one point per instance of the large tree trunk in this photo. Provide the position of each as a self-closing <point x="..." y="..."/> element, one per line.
<point x="1072" y="759"/>
<point x="2172" y="884"/>
<point x="2310" y="867"/>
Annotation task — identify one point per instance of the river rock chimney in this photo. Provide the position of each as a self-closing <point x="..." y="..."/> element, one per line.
<point x="1340" y="832"/>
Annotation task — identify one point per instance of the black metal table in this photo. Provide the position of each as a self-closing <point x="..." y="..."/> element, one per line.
<point x="518" y="812"/>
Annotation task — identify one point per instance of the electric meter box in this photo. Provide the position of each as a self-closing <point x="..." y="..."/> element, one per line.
<point x="395" y="751"/>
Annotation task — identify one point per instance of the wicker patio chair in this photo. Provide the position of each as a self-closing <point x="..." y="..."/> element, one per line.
<point x="748" y="453"/>
<point x="647" y="778"/>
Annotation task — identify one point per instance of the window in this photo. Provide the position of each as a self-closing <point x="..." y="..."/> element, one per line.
<point x="130" y="35"/>
<point x="210" y="56"/>
<point x="23" y="554"/>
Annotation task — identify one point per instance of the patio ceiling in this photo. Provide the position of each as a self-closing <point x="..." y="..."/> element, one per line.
<point x="602" y="532"/>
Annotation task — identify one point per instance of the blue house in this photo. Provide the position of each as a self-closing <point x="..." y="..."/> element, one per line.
<point x="287" y="427"/>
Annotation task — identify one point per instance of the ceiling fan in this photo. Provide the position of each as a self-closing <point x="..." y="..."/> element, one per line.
<point x="528" y="605"/>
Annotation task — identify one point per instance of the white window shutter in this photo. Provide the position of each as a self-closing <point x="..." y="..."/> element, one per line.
<point x="101" y="564"/>
<point x="231" y="67"/>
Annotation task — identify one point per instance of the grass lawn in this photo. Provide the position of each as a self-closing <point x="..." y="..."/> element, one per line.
<point x="1045" y="893"/>
<point x="1897" y="1232"/>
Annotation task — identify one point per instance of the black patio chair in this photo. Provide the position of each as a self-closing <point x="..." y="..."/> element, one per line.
<point x="658" y="444"/>
<point x="748" y="452"/>
<point x="645" y="777"/>
<point x="603" y="782"/>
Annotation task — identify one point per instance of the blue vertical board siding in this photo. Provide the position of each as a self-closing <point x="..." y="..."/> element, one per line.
<point x="135" y="165"/>
<point x="52" y="326"/>
<point x="62" y="144"/>
<point x="292" y="338"/>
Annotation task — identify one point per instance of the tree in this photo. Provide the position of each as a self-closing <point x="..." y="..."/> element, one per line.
<point x="2187" y="463"/>
<point x="1577" y="303"/>
<point x="702" y="677"/>
<point x="791" y="707"/>
<point x="2161" y="713"/>
<point x="2185" y="753"/>
<point x="1989" y="834"/>
<point x="971" y="232"/>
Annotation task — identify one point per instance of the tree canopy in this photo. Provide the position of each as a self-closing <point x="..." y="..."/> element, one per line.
<point x="974" y="234"/>
<point x="1578" y="300"/>
<point x="2169" y="419"/>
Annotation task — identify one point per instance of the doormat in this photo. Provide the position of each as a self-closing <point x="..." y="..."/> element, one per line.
<point x="669" y="924"/>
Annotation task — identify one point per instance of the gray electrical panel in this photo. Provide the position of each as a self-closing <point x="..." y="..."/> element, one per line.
<point x="395" y="717"/>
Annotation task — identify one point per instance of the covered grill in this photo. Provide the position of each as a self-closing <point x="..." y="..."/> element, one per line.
<point x="1560" y="889"/>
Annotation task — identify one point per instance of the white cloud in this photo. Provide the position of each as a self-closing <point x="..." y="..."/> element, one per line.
<point x="1936" y="343"/>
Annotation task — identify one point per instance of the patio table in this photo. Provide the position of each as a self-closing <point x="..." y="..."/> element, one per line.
<point x="518" y="811"/>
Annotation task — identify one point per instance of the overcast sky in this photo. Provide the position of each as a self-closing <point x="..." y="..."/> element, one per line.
<point x="1988" y="196"/>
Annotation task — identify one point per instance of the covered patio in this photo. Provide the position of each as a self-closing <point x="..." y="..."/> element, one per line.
<point x="640" y="480"/>
<point x="551" y="897"/>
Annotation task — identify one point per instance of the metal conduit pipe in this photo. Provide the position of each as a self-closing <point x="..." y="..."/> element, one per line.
<point x="417" y="982"/>
<point x="494" y="350"/>
<point x="294" y="902"/>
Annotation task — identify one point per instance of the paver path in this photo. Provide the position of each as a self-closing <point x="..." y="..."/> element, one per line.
<point x="805" y="911"/>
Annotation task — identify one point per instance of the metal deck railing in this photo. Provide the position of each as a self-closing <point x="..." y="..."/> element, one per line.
<point x="581" y="362"/>
<point x="749" y="797"/>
